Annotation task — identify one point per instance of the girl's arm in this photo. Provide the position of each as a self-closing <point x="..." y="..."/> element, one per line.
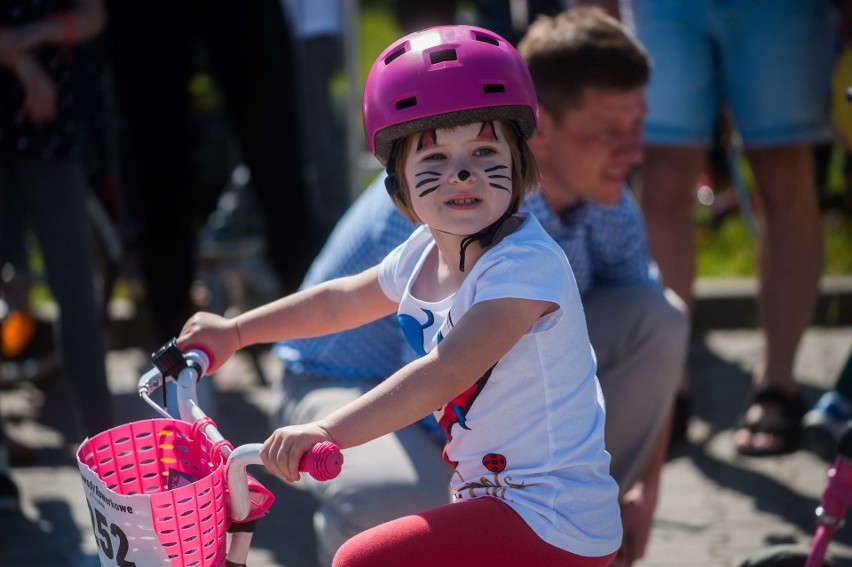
<point x="330" y="307"/>
<point x="484" y="335"/>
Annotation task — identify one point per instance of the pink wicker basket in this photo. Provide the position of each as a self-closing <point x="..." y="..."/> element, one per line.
<point x="181" y="470"/>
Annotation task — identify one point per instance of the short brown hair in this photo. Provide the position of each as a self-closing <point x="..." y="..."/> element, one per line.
<point x="525" y="174"/>
<point x="580" y="48"/>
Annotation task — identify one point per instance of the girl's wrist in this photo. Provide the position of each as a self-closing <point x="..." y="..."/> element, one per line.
<point x="239" y="333"/>
<point x="325" y="427"/>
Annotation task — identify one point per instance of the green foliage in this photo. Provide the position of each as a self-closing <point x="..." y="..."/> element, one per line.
<point x="838" y="243"/>
<point x="378" y="30"/>
<point x="728" y="250"/>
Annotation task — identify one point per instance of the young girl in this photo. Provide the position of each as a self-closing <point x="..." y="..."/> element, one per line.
<point x="487" y="299"/>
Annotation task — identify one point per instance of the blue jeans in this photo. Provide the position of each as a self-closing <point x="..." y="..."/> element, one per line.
<point x="769" y="61"/>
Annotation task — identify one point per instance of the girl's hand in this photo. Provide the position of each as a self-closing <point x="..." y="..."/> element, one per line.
<point x="219" y="336"/>
<point x="284" y="449"/>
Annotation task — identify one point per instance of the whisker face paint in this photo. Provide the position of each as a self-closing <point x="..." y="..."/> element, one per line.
<point x="498" y="176"/>
<point x="434" y="177"/>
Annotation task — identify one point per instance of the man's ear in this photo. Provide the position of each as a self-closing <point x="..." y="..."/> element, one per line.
<point x="538" y="143"/>
<point x="546" y="122"/>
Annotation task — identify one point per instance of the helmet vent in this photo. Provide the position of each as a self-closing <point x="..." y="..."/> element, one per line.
<point x="493" y="88"/>
<point x="406" y="102"/>
<point x="486" y="39"/>
<point x="443" y="55"/>
<point x="394" y="55"/>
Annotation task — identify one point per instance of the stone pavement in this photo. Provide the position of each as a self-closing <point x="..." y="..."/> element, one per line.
<point x="715" y="508"/>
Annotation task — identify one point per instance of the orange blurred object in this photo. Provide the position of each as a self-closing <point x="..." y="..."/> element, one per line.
<point x="17" y="333"/>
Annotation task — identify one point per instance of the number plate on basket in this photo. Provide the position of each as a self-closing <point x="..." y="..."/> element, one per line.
<point x="123" y="526"/>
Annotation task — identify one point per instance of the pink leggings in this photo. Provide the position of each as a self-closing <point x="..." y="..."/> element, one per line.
<point x="483" y="531"/>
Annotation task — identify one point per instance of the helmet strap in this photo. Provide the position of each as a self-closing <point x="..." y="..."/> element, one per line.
<point x="521" y="157"/>
<point x="391" y="182"/>
<point x="485" y="237"/>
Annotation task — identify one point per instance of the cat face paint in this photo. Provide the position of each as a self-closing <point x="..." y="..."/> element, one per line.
<point x="460" y="179"/>
<point x="427" y="140"/>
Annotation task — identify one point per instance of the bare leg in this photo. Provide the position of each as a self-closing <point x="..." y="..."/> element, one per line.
<point x="668" y="177"/>
<point x="790" y="266"/>
<point x="669" y="174"/>
<point x="791" y="255"/>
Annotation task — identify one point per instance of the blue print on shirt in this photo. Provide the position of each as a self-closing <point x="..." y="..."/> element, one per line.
<point x="413" y="330"/>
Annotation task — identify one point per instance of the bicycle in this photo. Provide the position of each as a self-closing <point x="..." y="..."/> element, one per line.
<point x="167" y="491"/>
<point x="835" y="501"/>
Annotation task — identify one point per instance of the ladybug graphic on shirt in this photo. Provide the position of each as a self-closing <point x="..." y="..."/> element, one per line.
<point x="495" y="463"/>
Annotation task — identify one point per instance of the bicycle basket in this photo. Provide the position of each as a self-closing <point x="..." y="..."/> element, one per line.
<point x="156" y="493"/>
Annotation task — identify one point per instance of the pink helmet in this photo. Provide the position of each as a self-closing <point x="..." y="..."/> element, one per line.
<point x="444" y="76"/>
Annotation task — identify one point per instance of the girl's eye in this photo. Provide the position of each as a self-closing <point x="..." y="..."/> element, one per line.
<point x="434" y="157"/>
<point x="484" y="152"/>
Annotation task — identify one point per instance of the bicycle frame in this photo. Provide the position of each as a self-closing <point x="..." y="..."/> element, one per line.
<point x="323" y="462"/>
<point x="835" y="501"/>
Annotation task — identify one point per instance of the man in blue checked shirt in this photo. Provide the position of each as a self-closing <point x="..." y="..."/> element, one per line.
<point x="590" y="75"/>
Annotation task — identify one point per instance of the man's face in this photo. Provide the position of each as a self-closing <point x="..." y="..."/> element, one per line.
<point x="589" y="152"/>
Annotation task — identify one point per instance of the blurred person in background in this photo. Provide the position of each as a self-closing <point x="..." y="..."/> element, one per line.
<point x="769" y="64"/>
<point x="42" y="169"/>
<point x="249" y="48"/>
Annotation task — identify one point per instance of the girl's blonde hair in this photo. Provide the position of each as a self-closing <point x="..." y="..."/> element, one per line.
<point x="525" y="174"/>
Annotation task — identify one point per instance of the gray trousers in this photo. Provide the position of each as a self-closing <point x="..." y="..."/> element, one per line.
<point x="640" y="336"/>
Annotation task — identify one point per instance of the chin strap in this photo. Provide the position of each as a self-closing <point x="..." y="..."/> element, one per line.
<point x="485" y="237"/>
<point x="391" y="184"/>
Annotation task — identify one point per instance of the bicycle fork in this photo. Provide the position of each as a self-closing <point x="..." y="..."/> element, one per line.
<point x="836" y="499"/>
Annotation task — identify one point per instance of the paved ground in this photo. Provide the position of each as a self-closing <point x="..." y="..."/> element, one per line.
<point x="716" y="507"/>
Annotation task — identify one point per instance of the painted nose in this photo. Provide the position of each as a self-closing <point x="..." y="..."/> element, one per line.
<point x="463" y="175"/>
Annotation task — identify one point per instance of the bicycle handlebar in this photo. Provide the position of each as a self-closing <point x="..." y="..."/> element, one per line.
<point x="323" y="461"/>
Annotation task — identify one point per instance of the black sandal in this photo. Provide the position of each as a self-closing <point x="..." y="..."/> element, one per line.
<point x="786" y="425"/>
<point x="680" y="420"/>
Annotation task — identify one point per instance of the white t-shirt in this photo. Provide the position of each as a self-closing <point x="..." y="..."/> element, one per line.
<point x="531" y="431"/>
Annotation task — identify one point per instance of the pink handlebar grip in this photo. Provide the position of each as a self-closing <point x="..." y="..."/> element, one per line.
<point x="323" y="461"/>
